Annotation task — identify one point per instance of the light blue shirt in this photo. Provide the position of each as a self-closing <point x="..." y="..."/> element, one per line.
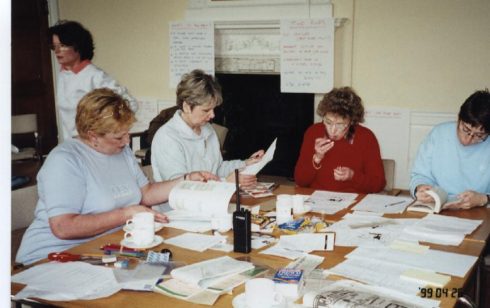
<point x="443" y="161"/>
<point x="76" y="179"/>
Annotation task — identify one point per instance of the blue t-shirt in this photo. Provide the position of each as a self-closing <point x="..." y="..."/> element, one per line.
<point x="443" y="161"/>
<point x="76" y="179"/>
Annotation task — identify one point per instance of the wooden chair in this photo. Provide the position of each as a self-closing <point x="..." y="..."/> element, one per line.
<point x="24" y="201"/>
<point x="389" y="168"/>
<point x="22" y="126"/>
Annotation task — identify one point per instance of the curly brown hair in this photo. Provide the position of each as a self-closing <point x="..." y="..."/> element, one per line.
<point x="345" y="103"/>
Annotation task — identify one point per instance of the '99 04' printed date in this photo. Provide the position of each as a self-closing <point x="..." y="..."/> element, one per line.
<point x="440" y="292"/>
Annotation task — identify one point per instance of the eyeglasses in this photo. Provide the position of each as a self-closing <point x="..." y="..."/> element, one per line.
<point x="340" y="126"/>
<point x="478" y="137"/>
<point x="61" y="47"/>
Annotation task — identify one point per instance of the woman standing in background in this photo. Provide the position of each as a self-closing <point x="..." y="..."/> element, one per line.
<point x="74" y="49"/>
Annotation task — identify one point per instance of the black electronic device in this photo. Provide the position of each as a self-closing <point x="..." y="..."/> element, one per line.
<point x="242" y="224"/>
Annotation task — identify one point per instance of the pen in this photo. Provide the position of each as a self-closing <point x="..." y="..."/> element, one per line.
<point x="394" y="203"/>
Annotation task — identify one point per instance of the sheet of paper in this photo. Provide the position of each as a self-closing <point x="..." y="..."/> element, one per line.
<point x="268" y="156"/>
<point x="283" y="252"/>
<point x="329" y="202"/>
<point x="71" y="281"/>
<point x="307" y="263"/>
<point x="409" y="246"/>
<point x="202" y="199"/>
<point x="191" y="47"/>
<point x="368" y="230"/>
<point x="378" y="273"/>
<point x="426" y="277"/>
<point x="434" y="260"/>
<point x="259" y="241"/>
<point x="383" y="204"/>
<point x="194" y="241"/>
<point x="440" y="229"/>
<point x="305" y="242"/>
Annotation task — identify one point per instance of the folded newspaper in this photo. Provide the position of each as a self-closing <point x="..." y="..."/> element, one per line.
<point x="344" y="294"/>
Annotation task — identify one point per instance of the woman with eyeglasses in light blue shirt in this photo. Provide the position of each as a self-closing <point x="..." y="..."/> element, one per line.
<point x="455" y="156"/>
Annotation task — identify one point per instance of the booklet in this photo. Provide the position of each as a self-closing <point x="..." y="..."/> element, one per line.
<point x="259" y="190"/>
<point x="201" y="199"/>
<point x="205" y="281"/>
<point x="441" y="199"/>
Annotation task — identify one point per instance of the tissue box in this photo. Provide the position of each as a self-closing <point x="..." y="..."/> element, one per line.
<point x="289" y="282"/>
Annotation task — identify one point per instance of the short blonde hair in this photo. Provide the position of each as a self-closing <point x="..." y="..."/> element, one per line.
<point x="103" y="111"/>
<point x="198" y="88"/>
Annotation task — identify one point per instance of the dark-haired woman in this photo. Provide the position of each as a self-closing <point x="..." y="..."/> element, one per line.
<point x="455" y="156"/>
<point x="73" y="47"/>
<point x="339" y="154"/>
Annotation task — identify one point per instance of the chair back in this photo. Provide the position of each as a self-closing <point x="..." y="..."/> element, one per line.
<point x="24" y="123"/>
<point x="24" y="201"/>
<point x="148" y="171"/>
<point x="389" y="168"/>
<point x="221" y="131"/>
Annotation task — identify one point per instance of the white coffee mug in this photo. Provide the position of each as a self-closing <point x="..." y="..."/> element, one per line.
<point x="284" y="204"/>
<point x="261" y="293"/>
<point x="140" y="237"/>
<point x="141" y="220"/>
<point x="298" y="204"/>
<point x="283" y="218"/>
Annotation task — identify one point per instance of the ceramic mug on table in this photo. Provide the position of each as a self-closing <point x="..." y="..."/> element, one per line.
<point x="261" y="293"/>
<point x="140" y="237"/>
<point x="142" y="220"/>
<point x="298" y="204"/>
<point x="284" y="204"/>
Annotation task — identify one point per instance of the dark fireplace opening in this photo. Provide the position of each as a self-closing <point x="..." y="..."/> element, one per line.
<point x="256" y="112"/>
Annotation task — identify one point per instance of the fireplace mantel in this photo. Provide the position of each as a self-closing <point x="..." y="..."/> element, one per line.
<point x="247" y="32"/>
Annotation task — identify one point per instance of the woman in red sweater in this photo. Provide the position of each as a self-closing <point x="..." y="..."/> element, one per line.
<point x="339" y="154"/>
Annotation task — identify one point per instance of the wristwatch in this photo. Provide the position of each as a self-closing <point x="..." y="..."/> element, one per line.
<point x="488" y="200"/>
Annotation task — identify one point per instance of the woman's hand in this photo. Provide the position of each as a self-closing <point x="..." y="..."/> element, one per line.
<point x="133" y="209"/>
<point x="202" y="176"/>
<point x="322" y="146"/>
<point x="245" y="180"/>
<point x="343" y="174"/>
<point x="421" y="195"/>
<point x="255" y="157"/>
<point x="467" y="200"/>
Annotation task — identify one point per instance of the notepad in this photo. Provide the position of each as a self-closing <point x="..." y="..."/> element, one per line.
<point x="429" y="278"/>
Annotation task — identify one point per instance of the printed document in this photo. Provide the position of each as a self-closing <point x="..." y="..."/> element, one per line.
<point x="268" y="156"/>
<point x="329" y="202"/>
<point x="440" y="229"/>
<point x="194" y="241"/>
<point x="383" y="204"/>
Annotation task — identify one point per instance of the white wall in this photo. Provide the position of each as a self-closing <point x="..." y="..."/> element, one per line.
<point x="423" y="55"/>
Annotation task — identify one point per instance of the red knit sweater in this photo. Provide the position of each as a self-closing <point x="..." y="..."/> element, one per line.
<point x="361" y="154"/>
